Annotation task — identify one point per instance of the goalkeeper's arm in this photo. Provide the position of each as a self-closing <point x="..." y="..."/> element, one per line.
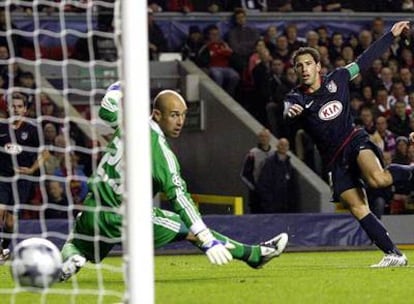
<point x="110" y="104"/>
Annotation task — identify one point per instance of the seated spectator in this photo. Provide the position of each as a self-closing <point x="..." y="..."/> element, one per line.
<point x="399" y="122"/>
<point x="184" y="6"/>
<point x="367" y="120"/>
<point x="291" y="33"/>
<point x="324" y="38"/>
<point x="406" y="58"/>
<point x="193" y="44"/>
<point x="282" y="50"/>
<point x="254" y="58"/>
<point x="401" y="151"/>
<point x="75" y="178"/>
<point x="325" y="59"/>
<point x="49" y="132"/>
<point x="377" y="28"/>
<point x="388" y="142"/>
<point x="279" y="6"/>
<point x="215" y="55"/>
<point x="277" y="182"/>
<point x="312" y="39"/>
<point x="398" y="93"/>
<point x="347" y="53"/>
<point x="157" y="41"/>
<point x="382" y="103"/>
<point x="364" y="41"/>
<point x="336" y="45"/>
<point x="57" y="203"/>
<point x="407" y="6"/>
<point x="386" y="78"/>
<point x="406" y="77"/>
<point x="270" y="38"/>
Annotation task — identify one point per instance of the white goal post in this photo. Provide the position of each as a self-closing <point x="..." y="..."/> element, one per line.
<point x="53" y="31"/>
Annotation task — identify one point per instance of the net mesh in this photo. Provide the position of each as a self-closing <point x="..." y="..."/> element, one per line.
<point x="61" y="56"/>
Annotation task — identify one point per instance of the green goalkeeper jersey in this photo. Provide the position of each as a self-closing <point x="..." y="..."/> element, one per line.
<point x="106" y="183"/>
<point x="166" y="178"/>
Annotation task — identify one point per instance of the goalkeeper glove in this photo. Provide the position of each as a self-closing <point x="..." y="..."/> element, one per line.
<point x="215" y="250"/>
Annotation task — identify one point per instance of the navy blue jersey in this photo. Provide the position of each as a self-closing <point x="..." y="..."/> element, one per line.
<point x="327" y="115"/>
<point x="23" y="144"/>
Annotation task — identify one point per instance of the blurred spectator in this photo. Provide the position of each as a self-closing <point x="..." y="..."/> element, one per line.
<point x="261" y="79"/>
<point x="373" y="76"/>
<point x="382" y="104"/>
<point x="249" y="5"/>
<point x="386" y="77"/>
<point x="49" y="133"/>
<point x="324" y="38"/>
<point x="325" y="59"/>
<point x="241" y="39"/>
<point x="277" y="184"/>
<point x="280" y="84"/>
<point x="368" y="96"/>
<point x="406" y="77"/>
<point x="4" y="55"/>
<point x="377" y="28"/>
<point x="212" y="6"/>
<point x="364" y="41"/>
<point x="282" y="50"/>
<point x="157" y="41"/>
<point x="336" y="45"/>
<point x="255" y="57"/>
<point x="347" y="53"/>
<point x="193" y="44"/>
<point x="367" y="120"/>
<point x="399" y="122"/>
<point x="57" y="203"/>
<point x="252" y="166"/>
<point x="75" y="178"/>
<point x="291" y="32"/>
<point x="312" y="39"/>
<point x="307" y="5"/>
<point x="215" y="55"/>
<point x="279" y="5"/>
<point x="398" y="93"/>
<point x="406" y="58"/>
<point x="388" y="6"/>
<point x="156" y="6"/>
<point x="401" y="151"/>
<point x="184" y="6"/>
<point x="407" y="6"/>
<point x="270" y="38"/>
<point x="49" y="111"/>
<point x="388" y="142"/>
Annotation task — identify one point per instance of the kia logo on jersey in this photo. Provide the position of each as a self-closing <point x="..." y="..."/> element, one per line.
<point x="331" y="110"/>
<point x="13" y="149"/>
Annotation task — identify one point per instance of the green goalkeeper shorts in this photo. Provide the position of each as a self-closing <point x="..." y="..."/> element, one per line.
<point x="96" y="232"/>
<point x="168" y="227"/>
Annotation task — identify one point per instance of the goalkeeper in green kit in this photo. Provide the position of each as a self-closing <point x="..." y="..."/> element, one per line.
<point x="102" y="215"/>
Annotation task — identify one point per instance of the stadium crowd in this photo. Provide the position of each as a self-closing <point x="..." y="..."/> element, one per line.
<point x="255" y="68"/>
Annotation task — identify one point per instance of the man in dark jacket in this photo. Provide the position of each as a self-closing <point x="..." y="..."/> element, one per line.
<point x="277" y="181"/>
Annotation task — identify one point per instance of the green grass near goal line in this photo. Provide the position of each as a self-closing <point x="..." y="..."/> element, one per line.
<point x="313" y="277"/>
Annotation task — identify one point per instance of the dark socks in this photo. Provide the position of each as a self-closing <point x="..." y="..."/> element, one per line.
<point x="378" y="234"/>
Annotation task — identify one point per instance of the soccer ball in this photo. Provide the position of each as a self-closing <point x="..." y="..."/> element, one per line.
<point x="36" y="263"/>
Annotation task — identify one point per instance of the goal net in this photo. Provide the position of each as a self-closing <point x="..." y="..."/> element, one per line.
<point x="61" y="56"/>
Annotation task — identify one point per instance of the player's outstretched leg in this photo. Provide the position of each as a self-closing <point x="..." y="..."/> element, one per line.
<point x="73" y="261"/>
<point x="255" y="255"/>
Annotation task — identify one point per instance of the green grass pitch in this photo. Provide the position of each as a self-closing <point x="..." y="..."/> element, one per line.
<point x="311" y="277"/>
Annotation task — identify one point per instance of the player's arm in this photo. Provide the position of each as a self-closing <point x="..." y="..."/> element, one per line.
<point x="292" y="106"/>
<point x="364" y="61"/>
<point x="110" y="104"/>
<point x="43" y="156"/>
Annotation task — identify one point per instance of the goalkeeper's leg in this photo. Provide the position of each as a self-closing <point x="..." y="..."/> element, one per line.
<point x="168" y="227"/>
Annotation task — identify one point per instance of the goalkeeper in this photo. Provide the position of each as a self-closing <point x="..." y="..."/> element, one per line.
<point x="102" y="216"/>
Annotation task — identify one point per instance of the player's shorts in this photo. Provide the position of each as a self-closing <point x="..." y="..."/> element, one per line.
<point x="168" y="227"/>
<point x="346" y="173"/>
<point x="24" y="190"/>
<point x="90" y="224"/>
